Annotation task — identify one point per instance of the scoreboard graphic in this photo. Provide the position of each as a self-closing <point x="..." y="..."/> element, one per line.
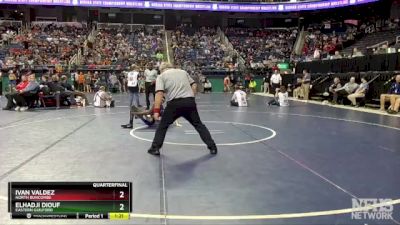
<point x="70" y="200"/>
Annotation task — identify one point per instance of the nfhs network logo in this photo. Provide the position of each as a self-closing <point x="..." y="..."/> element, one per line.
<point x="383" y="212"/>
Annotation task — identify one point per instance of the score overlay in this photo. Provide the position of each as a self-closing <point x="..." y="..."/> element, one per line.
<point x="70" y="200"/>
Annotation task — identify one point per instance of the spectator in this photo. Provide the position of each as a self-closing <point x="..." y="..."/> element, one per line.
<point x="396" y="106"/>
<point x="392" y="94"/>
<point x="347" y="89"/>
<point x="133" y="86"/>
<point x="359" y="92"/>
<point x="357" y="53"/>
<point x="306" y="84"/>
<point x="297" y="89"/>
<point x="30" y="90"/>
<point x="150" y="83"/>
<point x="81" y="82"/>
<point x="88" y="82"/>
<point x="252" y="85"/>
<point x="115" y="84"/>
<point x="335" y="85"/>
<point x="266" y="81"/>
<point x="21" y="86"/>
<point x="337" y="55"/>
<point x="207" y="86"/>
<point x="227" y="84"/>
<point x="12" y="79"/>
<point x="65" y="84"/>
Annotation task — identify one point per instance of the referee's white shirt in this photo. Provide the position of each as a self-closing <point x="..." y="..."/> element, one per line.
<point x="276" y="78"/>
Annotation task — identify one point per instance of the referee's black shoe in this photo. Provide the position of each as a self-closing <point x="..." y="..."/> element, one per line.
<point x="154" y="151"/>
<point x="213" y="150"/>
<point x="127" y="126"/>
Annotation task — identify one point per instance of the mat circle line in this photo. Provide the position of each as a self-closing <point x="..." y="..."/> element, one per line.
<point x="132" y="133"/>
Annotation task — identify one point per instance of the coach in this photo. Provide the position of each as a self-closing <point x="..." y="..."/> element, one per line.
<point x="179" y="89"/>
<point x="151" y="75"/>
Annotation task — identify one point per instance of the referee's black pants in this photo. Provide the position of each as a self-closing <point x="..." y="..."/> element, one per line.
<point x="182" y="107"/>
<point x="149" y="88"/>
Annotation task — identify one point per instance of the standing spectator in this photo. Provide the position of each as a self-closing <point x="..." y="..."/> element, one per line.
<point x="81" y="82"/>
<point x="306" y="84"/>
<point x="207" y="86"/>
<point x="359" y="92"/>
<point x="276" y="81"/>
<point x="151" y="75"/>
<point x="88" y="82"/>
<point x="266" y="80"/>
<point x="252" y="85"/>
<point x="133" y="90"/>
<point x="12" y="79"/>
<point x="247" y="79"/>
<point x="227" y="84"/>
<point x="133" y="87"/>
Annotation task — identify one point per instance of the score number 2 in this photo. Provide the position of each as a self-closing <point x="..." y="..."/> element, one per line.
<point x="121" y="206"/>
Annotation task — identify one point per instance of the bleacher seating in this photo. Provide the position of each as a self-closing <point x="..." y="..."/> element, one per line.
<point x="372" y="39"/>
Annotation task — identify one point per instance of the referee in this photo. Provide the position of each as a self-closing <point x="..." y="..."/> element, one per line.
<point x="179" y="89"/>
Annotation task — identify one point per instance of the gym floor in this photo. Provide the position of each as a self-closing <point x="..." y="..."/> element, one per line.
<point x="273" y="161"/>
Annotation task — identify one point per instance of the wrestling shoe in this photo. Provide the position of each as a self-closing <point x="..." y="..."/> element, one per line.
<point x="127" y="126"/>
<point x="154" y="151"/>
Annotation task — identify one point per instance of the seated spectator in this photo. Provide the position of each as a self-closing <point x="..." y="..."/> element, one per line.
<point x="207" y="86"/>
<point x="43" y="84"/>
<point x="359" y="92"/>
<point x="281" y="98"/>
<point x="396" y="106"/>
<point x="337" y="55"/>
<point x="102" y="98"/>
<point x="356" y="53"/>
<point x="65" y="84"/>
<point x="392" y="95"/>
<point x="297" y="90"/>
<point x="21" y="86"/>
<point x="335" y="85"/>
<point x="239" y="97"/>
<point x="30" y="90"/>
<point x="381" y="50"/>
<point x="347" y="89"/>
<point x="63" y="92"/>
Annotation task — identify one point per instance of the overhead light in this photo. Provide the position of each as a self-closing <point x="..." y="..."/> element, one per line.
<point x="293" y="0"/>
